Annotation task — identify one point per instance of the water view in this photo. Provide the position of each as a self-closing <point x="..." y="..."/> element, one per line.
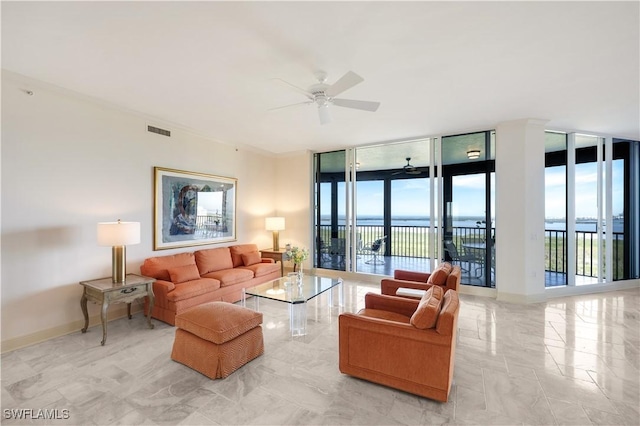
<point x="584" y="225"/>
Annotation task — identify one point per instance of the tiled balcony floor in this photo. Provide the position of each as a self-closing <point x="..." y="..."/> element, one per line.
<point x="473" y="275"/>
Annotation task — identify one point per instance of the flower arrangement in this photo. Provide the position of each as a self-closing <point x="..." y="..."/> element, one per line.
<point x="298" y="255"/>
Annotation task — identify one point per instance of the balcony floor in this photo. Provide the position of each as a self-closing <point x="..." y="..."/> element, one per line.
<point x="366" y="265"/>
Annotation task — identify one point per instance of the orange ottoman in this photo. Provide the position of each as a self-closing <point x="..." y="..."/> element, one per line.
<point x="217" y="338"/>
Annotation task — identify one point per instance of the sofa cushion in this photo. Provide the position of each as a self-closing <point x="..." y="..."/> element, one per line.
<point x="236" y="253"/>
<point x="261" y="269"/>
<point x="180" y="274"/>
<point x="251" y="258"/>
<point x="190" y="289"/>
<point x="231" y="276"/>
<point x="213" y="260"/>
<point x="440" y="274"/>
<point x="426" y="315"/>
<point x="218" y="322"/>
<point x="157" y="267"/>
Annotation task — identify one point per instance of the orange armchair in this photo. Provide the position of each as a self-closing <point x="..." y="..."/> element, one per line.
<point x="402" y="343"/>
<point x="445" y="275"/>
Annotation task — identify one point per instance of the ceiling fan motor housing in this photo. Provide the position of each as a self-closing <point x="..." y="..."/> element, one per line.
<point x="319" y="95"/>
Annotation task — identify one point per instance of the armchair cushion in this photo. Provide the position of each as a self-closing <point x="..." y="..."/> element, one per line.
<point x="385" y="315"/>
<point x="440" y="274"/>
<point x="180" y="274"/>
<point x="428" y="310"/>
<point x="401" y="274"/>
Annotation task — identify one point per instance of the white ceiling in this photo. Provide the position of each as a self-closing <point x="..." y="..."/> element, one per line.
<point x="437" y="68"/>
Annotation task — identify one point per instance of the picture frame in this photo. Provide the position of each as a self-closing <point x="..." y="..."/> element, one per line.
<point x="193" y="208"/>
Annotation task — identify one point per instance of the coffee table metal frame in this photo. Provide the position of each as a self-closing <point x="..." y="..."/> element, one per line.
<point x="296" y="293"/>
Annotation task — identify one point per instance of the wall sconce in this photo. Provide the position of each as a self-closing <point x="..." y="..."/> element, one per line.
<point x="118" y="235"/>
<point x="275" y="224"/>
<point x="473" y="154"/>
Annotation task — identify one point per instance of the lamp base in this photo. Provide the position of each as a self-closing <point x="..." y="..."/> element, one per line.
<point x="276" y="240"/>
<point x="118" y="264"/>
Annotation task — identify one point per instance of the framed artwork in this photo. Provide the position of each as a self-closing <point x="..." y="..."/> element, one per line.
<point x="193" y="209"/>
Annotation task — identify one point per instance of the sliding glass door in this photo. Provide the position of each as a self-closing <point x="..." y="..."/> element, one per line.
<point x="469" y="182"/>
<point x="589" y="211"/>
<point x="375" y="208"/>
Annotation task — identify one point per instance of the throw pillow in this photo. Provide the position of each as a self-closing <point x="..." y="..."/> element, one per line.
<point x="428" y="310"/>
<point x="440" y="274"/>
<point x="251" y="258"/>
<point x="180" y="274"/>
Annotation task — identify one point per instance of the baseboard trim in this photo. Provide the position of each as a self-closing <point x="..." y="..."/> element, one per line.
<point x="562" y="291"/>
<point x="119" y="311"/>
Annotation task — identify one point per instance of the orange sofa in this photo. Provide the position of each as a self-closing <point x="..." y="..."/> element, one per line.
<point x="445" y="275"/>
<point x="185" y="280"/>
<point x="403" y="343"/>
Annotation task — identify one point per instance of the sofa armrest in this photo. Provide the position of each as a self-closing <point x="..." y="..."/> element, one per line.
<point x="389" y="286"/>
<point x="265" y="260"/>
<point x="399" y="305"/>
<point x="420" y="277"/>
<point x="160" y="290"/>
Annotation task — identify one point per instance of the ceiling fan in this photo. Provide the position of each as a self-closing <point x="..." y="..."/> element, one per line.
<point x="408" y="169"/>
<point x="323" y="95"/>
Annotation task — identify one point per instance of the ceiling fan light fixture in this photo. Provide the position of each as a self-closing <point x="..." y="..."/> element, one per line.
<point x="473" y="154"/>
<point x="323" y="112"/>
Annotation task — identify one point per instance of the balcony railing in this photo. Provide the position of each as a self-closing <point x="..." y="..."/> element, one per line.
<point x="413" y="241"/>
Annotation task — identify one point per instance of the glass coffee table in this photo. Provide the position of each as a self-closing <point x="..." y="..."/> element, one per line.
<point x="296" y="294"/>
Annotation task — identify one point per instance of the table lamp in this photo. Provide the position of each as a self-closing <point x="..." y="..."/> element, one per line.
<point x="118" y="235"/>
<point x="275" y="224"/>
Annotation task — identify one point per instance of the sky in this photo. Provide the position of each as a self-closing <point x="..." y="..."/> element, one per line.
<point x="586" y="190"/>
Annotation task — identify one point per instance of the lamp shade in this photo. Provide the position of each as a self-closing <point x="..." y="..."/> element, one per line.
<point x="118" y="233"/>
<point x="274" y="223"/>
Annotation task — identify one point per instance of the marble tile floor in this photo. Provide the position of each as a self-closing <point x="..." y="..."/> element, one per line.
<point x="569" y="361"/>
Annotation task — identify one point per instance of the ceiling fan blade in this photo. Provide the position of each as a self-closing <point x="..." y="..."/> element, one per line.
<point x="323" y="112"/>
<point x="350" y="103"/>
<point x="291" y="105"/>
<point x="346" y="82"/>
<point x="294" y="87"/>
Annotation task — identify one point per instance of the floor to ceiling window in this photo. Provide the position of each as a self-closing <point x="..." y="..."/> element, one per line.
<point x="408" y="205"/>
<point x="330" y="214"/>
<point x="589" y="209"/>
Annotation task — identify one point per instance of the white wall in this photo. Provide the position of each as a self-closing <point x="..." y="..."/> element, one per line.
<point x="69" y="162"/>
<point x="520" y="210"/>
<point x="295" y="203"/>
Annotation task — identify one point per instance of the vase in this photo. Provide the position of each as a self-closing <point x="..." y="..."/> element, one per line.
<point x="298" y="268"/>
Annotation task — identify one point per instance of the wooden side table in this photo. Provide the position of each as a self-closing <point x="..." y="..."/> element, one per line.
<point x="104" y="291"/>
<point x="277" y="255"/>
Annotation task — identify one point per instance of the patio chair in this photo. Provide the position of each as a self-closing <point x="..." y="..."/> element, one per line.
<point x="457" y="257"/>
<point x="375" y="248"/>
<point x="323" y="249"/>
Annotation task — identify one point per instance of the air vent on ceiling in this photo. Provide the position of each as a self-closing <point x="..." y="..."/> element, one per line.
<point x="159" y="131"/>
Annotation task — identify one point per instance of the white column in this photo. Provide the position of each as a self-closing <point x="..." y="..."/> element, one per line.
<point x="520" y="155"/>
